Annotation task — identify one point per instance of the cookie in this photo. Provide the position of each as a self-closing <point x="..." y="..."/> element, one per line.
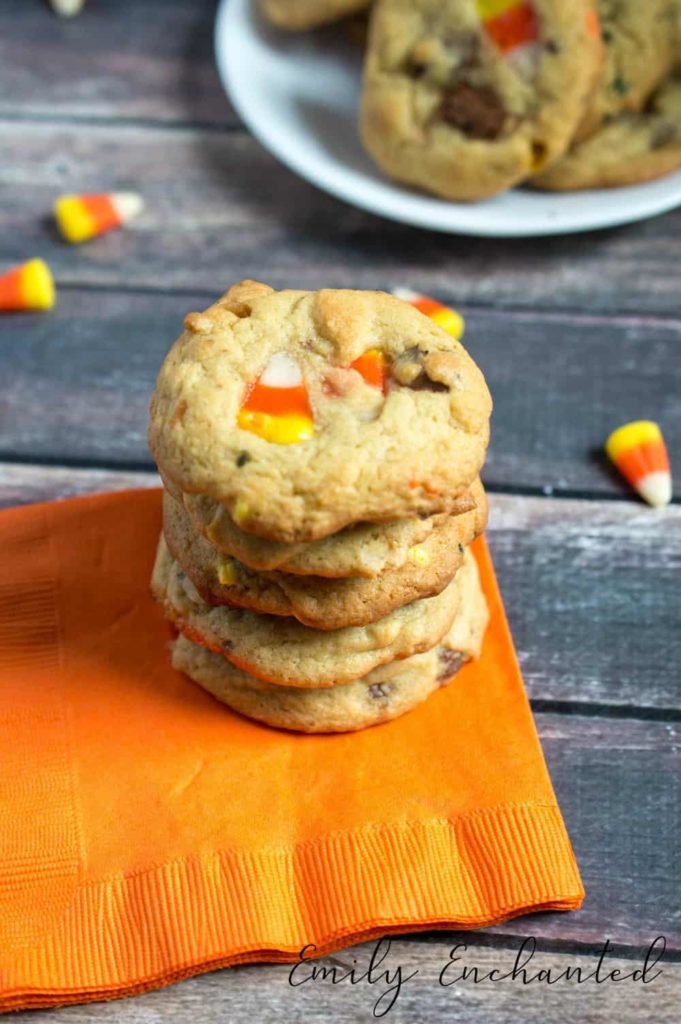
<point x="285" y="652"/>
<point x="382" y="694"/>
<point x="304" y="14"/>
<point x="315" y="601"/>
<point x="640" y="43"/>
<point x="631" y="149"/>
<point x="465" y="98"/>
<point x="365" y="549"/>
<point x="303" y="412"/>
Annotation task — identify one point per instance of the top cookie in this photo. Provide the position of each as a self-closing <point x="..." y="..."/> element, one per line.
<point x="304" y="14"/>
<point x="467" y="97"/>
<point x="303" y="412"/>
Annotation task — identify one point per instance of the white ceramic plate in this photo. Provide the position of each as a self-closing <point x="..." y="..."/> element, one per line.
<point x="299" y="94"/>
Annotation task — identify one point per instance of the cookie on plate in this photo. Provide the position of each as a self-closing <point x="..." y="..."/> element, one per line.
<point x="282" y="650"/>
<point x="384" y="693"/>
<point x="465" y="98"/>
<point x="640" y="42"/>
<point x="631" y="149"/>
<point x="297" y="15"/>
<point x="303" y="412"/>
<point x="315" y="601"/>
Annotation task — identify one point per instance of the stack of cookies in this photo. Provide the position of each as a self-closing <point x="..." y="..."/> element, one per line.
<point x="466" y="98"/>
<point x="321" y="454"/>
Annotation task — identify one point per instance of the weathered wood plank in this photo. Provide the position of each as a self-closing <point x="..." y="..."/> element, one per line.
<point x="591" y="588"/>
<point x="593" y="597"/>
<point x="151" y="60"/>
<point x="264" y="993"/>
<point x="617" y="784"/>
<point x="219" y="205"/>
<point x="22" y="485"/>
<point x="77" y="384"/>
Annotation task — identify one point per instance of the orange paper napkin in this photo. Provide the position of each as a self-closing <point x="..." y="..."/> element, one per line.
<point x="148" y="833"/>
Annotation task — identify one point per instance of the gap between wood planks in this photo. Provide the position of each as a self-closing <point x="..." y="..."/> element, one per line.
<point x="102" y="121"/>
<point x="556" y="314"/>
<point x="125" y="466"/>
<point x="220" y="201"/>
<point x="499" y="939"/>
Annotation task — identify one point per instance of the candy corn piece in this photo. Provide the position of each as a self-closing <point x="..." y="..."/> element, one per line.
<point x="448" y="318"/>
<point x="80" y="218"/>
<point x="514" y="29"/>
<point x="508" y="23"/>
<point x="639" y="452"/>
<point x="28" y="286"/>
<point x="277" y="407"/>
<point x="67" y="8"/>
<point x="371" y="366"/>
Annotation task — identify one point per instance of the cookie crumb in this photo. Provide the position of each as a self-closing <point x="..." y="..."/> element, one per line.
<point x="197" y="323"/>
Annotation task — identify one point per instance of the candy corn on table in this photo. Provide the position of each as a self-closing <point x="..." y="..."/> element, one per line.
<point x="576" y="337"/>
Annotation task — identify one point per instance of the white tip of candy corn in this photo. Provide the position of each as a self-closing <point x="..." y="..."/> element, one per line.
<point x="67" y="8"/>
<point x="656" y="488"/>
<point x="407" y="294"/>
<point x="127" y="205"/>
<point x="281" y="372"/>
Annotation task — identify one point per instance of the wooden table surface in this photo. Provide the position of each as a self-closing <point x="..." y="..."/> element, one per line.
<point x="575" y="335"/>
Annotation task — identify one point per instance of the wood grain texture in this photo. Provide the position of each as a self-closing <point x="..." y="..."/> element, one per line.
<point x="219" y="205"/>
<point x="591" y="589"/>
<point x="151" y="60"/>
<point x="77" y="383"/>
<point x="263" y="993"/>
<point x="592" y="595"/>
<point x="617" y="785"/>
<point x="23" y="485"/>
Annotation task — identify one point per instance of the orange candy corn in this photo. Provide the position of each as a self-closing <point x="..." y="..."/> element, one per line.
<point x="509" y="24"/>
<point x="80" y="218"/>
<point x="28" y="286"/>
<point x="371" y="366"/>
<point x="448" y="318"/>
<point x="639" y="452"/>
<point x="277" y="407"/>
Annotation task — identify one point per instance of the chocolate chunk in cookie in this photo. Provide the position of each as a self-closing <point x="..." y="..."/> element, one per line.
<point x="380" y="691"/>
<point x="450" y="663"/>
<point x="477" y="111"/>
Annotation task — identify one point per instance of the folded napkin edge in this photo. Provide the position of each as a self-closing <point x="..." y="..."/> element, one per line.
<point x="473" y="871"/>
